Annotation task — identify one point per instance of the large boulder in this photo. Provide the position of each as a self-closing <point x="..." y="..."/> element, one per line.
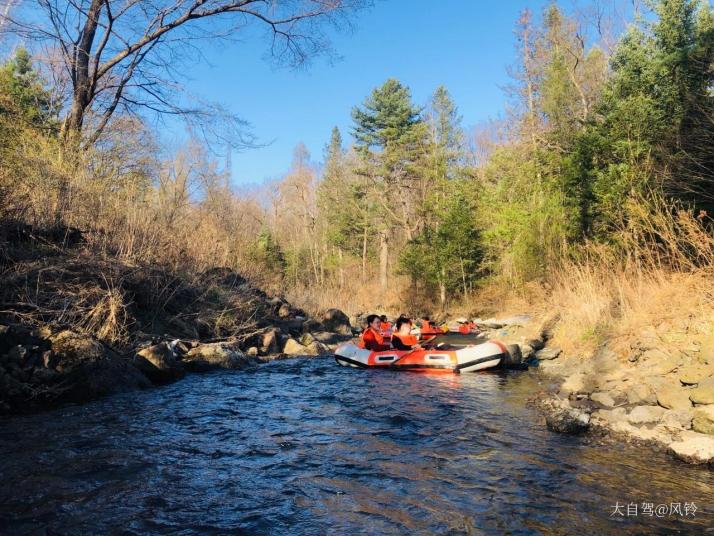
<point x="159" y="363"/>
<point x="336" y="321"/>
<point x="270" y="343"/>
<point x="658" y="362"/>
<point x="646" y="415"/>
<point x="694" y="447"/>
<point x="561" y="417"/>
<point x="703" y="393"/>
<point x="292" y="347"/>
<point x="86" y="370"/>
<point x="673" y="397"/>
<point x="693" y="374"/>
<point x="703" y="421"/>
<point x="641" y="393"/>
<point x="603" y="399"/>
<point x="219" y="355"/>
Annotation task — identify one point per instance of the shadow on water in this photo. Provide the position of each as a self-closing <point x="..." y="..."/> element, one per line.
<point x="307" y="447"/>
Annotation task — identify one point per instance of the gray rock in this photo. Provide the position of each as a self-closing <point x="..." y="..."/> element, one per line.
<point x="673" y="397"/>
<point x="646" y="415"/>
<point x="703" y="421"/>
<point x="270" y="343"/>
<point x="576" y="383"/>
<point x="159" y="363"/>
<point x="694" y="448"/>
<point x="604" y="399"/>
<point x="659" y="362"/>
<point x="292" y="347"/>
<point x="489" y="323"/>
<point x="548" y="353"/>
<point x="703" y="393"/>
<point x="678" y="418"/>
<point x="220" y="355"/>
<point x="317" y="348"/>
<point x="693" y="374"/>
<point x="88" y="370"/>
<point x="336" y="321"/>
<point x="641" y="393"/>
<point x="562" y="418"/>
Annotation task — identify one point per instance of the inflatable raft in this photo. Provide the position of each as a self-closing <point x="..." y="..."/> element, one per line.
<point x="478" y="355"/>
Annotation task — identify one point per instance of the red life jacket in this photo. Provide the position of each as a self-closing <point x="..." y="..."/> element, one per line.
<point x="406" y="340"/>
<point x="372" y="340"/>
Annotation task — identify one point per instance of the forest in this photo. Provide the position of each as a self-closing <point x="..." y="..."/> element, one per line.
<point x="593" y="192"/>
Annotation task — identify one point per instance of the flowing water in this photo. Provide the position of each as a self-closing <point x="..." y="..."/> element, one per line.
<point x="306" y="447"/>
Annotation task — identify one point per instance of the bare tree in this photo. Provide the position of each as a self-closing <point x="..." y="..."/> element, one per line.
<point x="129" y="54"/>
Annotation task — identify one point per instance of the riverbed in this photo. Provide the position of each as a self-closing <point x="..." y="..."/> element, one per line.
<point x="306" y="447"/>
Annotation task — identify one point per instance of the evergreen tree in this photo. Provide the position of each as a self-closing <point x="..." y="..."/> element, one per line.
<point x="25" y="93"/>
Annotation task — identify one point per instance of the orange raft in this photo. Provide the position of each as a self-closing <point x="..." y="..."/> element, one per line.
<point x="453" y="359"/>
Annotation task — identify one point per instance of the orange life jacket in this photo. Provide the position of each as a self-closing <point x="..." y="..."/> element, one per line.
<point x="372" y="340"/>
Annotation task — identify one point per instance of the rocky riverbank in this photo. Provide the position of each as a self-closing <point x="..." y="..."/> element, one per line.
<point x="48" y="366"/>
<point x="76" y="325"/>
<point x="659" y="393"/>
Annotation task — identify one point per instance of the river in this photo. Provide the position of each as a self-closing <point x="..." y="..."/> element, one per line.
<point x="305" y="447"/>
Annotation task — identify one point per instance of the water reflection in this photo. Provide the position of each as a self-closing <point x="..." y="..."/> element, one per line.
<point x="307" y="447"/>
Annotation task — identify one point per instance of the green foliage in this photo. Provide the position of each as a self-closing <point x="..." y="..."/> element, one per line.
<point x="448" y="254"/>
<point x="23" y="94"/>
<point x="268" y="254"/>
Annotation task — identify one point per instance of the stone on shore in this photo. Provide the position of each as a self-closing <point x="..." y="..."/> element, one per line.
<point x="336" y="321"/>
<point x="561" y="417"/>
<point x="641" y="393"/>
<point x="693" y="374"/>
<point x="270" y="343"/>
<point x="604" y="399"/>
<point x="703" y="421"/>
<point x="673" y="397"/>
<point x="159" y="363"/>
<point x="220" y="355"/>
<point x="646" y="415"/>
<point x="574" y="383"/>
<point x="292" y="347"/>
<point x="694" y="447"/>
<point x="548" y="353"/>
<point x="703" y="393"/>
<point x="88" y="370"/>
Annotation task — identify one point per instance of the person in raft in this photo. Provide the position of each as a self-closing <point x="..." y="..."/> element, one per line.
<point x="402" y="339"/>
<point x="385" y="326"/>
<point x="372" y="338"/>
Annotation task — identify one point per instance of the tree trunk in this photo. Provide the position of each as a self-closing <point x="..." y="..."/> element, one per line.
<point x="342" y="268"/>
<point x="364" y="255"/>
<point x="463" y="276"/>
<point x="442" y="294"/>
<point x="383" y="260"/>
<point x="83" y="92"/>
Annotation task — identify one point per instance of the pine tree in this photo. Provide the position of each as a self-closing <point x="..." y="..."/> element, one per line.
<point x="24" y="91"/>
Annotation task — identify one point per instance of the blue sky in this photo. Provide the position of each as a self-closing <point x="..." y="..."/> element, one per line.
<point x="465" y="45"/>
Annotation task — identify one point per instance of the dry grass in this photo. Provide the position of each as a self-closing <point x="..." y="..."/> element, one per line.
<point x="662" y="280"/>
<point x="355" y="297"/>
